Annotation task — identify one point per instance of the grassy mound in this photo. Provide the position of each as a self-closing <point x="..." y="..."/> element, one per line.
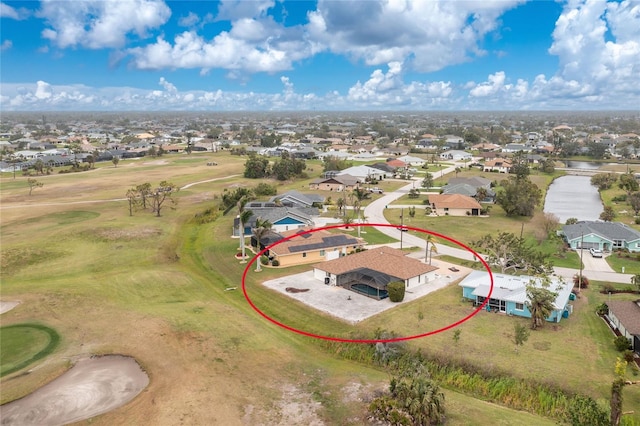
<point x="24" y="344"/>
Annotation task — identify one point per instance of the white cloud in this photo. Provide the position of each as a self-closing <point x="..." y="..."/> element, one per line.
<point x="434" y="34"/>
<point x="7" y="11"/>
<point x="100" y="24"/>
<point x="189" y="21"/>
<point x="170" y="88"/>
<point x="238" y="49"/>
<point x="598" y="48"/>
<point x="494" y="84"/>
<point x="6" y="45"/>
<point x="237" y="9"/>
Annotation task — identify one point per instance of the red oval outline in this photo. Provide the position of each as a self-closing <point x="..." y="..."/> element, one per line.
<point x="345" y="340"/>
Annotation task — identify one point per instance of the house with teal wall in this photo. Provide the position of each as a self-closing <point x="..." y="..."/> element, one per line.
<point x="605" y="236"/>
<point x="509" y="295"/>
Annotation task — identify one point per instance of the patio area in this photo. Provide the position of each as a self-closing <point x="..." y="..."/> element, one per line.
<point x="348" y="305"/>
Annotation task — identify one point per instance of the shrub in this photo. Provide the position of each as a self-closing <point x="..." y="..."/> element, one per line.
<point x="602" y="309"/>
<point x="620" y="198"/>
<point x="622" y="343"/>
<point x="582" y="283"/>
<point x="264" y="260"/>
<point x="608" y="288"/>
<point x="628" y="355"/>
<point x="396" y="291"/>
<point x="275" y="262"/>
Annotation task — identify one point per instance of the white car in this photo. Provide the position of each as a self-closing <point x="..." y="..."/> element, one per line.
<point x="595" y="252"/>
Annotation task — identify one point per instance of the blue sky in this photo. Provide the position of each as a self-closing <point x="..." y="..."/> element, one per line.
<point x="319" y="55"/>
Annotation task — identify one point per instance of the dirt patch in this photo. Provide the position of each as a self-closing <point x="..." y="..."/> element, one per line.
<point x="93" y="386"/>
<point x="7" y="306"/>
<point x="295" y="407"/>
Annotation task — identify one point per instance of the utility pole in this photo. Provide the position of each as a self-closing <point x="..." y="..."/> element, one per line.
<point x="581" y="252"/>
<point x="401" y="226"/>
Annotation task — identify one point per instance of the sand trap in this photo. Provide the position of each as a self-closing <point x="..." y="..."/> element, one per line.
<point x="7" y="306"/>
<point x="93" y="386"/>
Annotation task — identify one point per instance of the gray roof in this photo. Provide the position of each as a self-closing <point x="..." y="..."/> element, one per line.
<point x="476" y="181"/>
<point x="628" y="313"/>
<point x="607" y="230"/>
<point x="299" y="198"/>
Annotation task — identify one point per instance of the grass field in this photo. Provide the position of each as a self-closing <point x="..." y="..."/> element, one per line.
<point x="167" y="292"/>
<point x="24" y="344"/>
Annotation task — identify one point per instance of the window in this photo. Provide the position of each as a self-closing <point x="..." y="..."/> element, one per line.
<point x="321" y="252"/>
<point x="304" y="254"/>
<point x="519" y="306"/>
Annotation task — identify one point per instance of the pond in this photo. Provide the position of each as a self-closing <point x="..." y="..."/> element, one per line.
<point x="573" y="196"/>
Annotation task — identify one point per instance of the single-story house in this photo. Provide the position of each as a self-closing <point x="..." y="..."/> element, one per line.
<point x="412" y="161"/>
<point x="312" y="247"/>
<point x="624" y="315"/>
<point x="469" y="187"/>
<point x="499" y="165"/>
<point x="369" y="272"/>
<point x="454" y="205"/>
<point x="486" y="147"/>
<point x="364" y="172"/>
<point x="509" y="295"/>
<point x="456" y="155"/>
<point x="281" y="218"/>
<point x="335" y="183"/>
<point x="605" y="236"/>
<point x="295" y="198"/>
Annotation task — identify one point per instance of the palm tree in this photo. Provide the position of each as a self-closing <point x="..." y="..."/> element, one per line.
<point x="261" y="229"/>
<point x="347" y="220"/>
<point x="433" y="249"/>
<point x="430" y="239"/>
<point x="540" y="304"/>
<point x="340" y="204"/>
<point x="243" y="218"/>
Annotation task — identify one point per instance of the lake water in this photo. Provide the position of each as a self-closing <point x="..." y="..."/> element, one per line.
<point x="573" y="196"/>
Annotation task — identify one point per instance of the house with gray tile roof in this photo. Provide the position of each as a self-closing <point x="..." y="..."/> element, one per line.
<point x="605" y="236"/>
<point x="624" y="316"/>
<point x="295" y="198"/>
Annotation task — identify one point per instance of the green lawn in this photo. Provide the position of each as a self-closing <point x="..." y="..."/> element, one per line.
<point x="24" y="344"/>
<point x="168" y="292"/>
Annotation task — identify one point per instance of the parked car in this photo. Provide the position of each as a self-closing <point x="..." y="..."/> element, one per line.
<point x="376" y="190"/>
<point x="595" y="252"/>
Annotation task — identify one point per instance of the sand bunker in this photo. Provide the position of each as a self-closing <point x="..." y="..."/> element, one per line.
<point x="93" y="386"/>
<point x="7" y="306"/>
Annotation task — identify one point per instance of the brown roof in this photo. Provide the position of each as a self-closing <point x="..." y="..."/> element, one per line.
<point x="498" y="162"/>
<point x="383" y="259"/>
<point x="311" y="241"/>
<point x="453" y="201"/>
<point x="628" y="313"/>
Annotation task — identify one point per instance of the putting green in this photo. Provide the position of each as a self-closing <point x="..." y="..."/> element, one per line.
<point x="23" y="344"/>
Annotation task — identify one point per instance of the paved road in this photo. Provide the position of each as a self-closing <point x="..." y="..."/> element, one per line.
<point x="595" y="269"/>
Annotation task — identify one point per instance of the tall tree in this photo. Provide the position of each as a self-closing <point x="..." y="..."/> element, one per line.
<point x="243" y="217"/>
<point x="431" y="239"/>
<point x="427" y="182"/>
<point x="481" y="194"/>
<point x="634" y="201"/>
<point x="608" y="214"/>
<point x="520" y="165"/>
<point x="163" y="193"/>
<point x="261" y="229"/>
<point x="510" y="253"/>
<point x="518" y="196"/>
<point x="628" y="183"/>
<point x="115" y="160"/>
<point x="256" y="167"/>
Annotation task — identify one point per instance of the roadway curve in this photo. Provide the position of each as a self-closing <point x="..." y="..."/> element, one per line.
<point x="375" y="214"/>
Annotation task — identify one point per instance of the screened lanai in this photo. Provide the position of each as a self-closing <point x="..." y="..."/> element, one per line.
<point x="367" y="282"/>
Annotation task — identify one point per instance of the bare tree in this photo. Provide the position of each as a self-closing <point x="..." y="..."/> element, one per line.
<point x="33" y="183"/>
<point x="162" y="194"/>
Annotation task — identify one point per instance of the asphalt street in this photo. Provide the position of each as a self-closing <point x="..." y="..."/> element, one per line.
<point x="594" y="269"/>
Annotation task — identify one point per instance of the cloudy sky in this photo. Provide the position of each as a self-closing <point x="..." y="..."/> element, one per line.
<point x="319" y="55"/>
